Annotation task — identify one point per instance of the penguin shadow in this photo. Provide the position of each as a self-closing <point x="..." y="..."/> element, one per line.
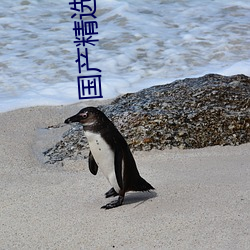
<point x="137" y="198"/>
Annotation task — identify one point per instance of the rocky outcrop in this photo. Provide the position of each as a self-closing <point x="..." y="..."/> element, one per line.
<point x="190" y="113"/>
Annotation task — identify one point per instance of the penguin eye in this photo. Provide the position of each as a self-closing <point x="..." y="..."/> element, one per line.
<point x="84" y="115"/>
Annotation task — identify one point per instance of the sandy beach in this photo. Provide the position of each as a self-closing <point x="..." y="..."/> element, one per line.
<point x="201" y="198"/>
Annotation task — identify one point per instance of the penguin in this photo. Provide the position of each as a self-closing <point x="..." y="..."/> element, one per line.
<point x="110" y="152"/>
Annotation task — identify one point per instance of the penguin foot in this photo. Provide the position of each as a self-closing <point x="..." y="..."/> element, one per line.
<point x="111" y="193"/>
<point x="113" y="204"/>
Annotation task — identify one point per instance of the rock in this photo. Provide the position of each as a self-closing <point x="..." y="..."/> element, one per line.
<point x="190" y="113"/>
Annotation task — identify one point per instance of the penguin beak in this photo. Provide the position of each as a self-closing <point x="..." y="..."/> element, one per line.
<point x="74" y="118"/>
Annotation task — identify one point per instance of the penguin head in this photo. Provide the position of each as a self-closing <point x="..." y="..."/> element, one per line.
<point x="88" y="117"/>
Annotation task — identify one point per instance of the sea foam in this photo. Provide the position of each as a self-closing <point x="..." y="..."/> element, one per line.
<point x="141" y="44"/>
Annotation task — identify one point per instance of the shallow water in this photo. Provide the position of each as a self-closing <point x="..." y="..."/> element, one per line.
<point x="140" y="44"/>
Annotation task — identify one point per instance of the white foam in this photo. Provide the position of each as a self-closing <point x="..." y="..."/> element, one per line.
<point x="140" y="44"/>
<point x="242" y="67"/>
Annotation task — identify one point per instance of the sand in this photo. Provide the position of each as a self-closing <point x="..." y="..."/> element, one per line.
<point x="201" y="200"/>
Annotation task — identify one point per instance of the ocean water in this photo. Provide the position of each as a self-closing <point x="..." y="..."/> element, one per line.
<point x="141" y="43"/>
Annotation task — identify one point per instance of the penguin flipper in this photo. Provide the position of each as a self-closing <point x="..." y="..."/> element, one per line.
<point x="118" y="166"/>
<point x="93" y="167"/>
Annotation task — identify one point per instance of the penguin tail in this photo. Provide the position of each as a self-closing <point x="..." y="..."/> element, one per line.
<point x="141" y="185"/>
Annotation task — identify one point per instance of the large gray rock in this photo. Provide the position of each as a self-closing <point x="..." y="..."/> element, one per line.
<point x="190" y="113"/>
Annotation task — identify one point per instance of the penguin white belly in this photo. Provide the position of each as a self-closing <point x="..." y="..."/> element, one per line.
<point x="104" y="157"/>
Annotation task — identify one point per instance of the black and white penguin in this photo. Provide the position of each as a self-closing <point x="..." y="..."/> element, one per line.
<point x="110" y="152"/>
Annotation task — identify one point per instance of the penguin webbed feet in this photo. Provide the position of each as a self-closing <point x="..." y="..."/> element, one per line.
<point x="115" y="203"/>
<point x="111" y="193"/>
